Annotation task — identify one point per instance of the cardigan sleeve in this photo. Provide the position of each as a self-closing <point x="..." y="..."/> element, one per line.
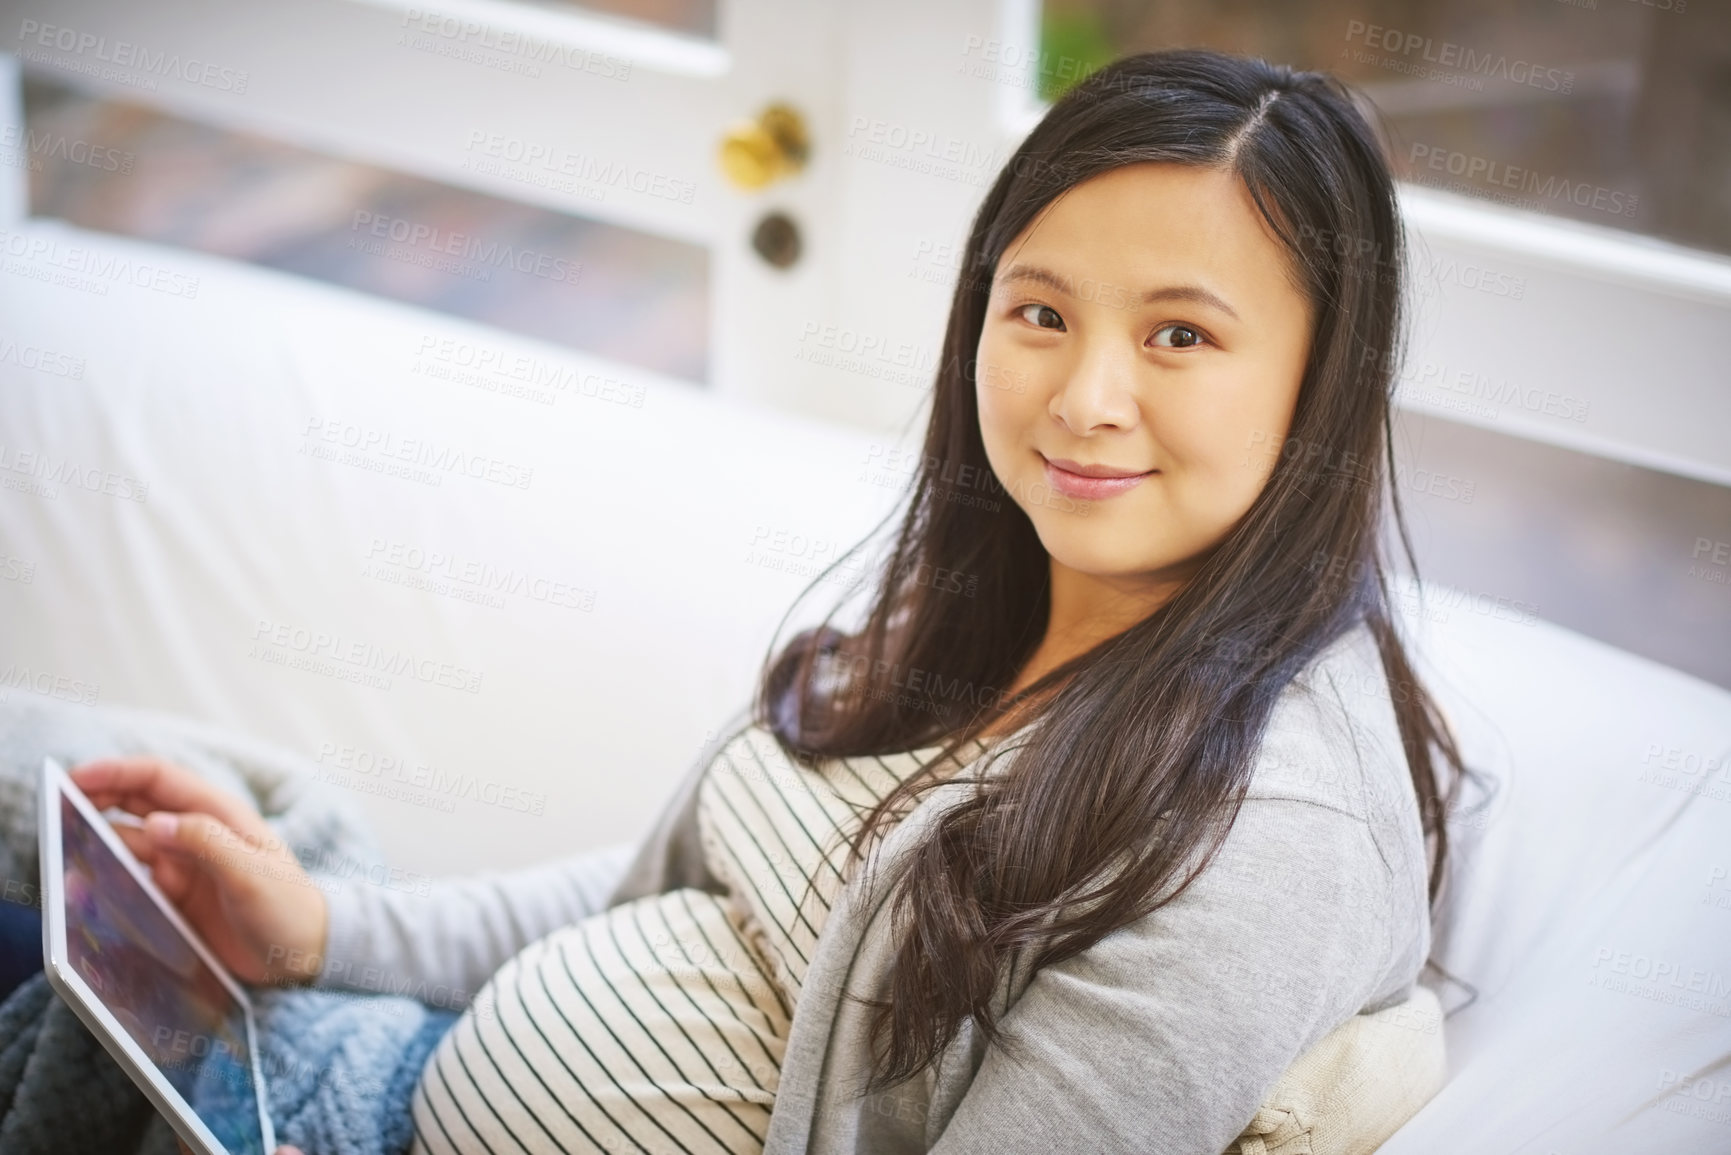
<point x="441" y="941"/>
<point x="1167" y="1034"/>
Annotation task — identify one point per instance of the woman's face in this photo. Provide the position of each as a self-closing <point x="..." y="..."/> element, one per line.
<point x="1139" y="367"/>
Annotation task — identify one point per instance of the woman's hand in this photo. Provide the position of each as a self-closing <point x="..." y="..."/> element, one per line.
<point x="222" y="866"/>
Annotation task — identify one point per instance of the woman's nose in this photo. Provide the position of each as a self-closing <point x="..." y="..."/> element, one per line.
<point x="1098" y="391"/>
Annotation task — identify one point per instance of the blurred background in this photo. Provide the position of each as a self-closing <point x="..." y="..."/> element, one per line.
<point x="762" y="203"/>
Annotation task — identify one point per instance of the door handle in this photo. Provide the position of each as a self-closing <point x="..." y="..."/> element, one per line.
<point x="759" y="152"/>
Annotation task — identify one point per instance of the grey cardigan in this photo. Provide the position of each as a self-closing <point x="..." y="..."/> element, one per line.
<point x="1163" y="1036"/>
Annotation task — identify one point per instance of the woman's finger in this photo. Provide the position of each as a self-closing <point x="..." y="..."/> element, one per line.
<point x="140" y="785"/>
<point x="199" y="843"/>
<point x="208" y="837"/>
<point x="173" y="876"/>
<point x="171" y="871"/>
<point x="143" y="847"/>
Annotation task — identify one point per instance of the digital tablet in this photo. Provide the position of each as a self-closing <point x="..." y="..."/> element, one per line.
<point x="143" y="982"/>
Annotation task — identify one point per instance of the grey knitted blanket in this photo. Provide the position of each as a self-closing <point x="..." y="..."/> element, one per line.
<point x="339" y="1068"/>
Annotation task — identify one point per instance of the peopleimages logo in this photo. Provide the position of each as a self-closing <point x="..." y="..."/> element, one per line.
<point x="43" y="466"/>
<point x="88" y="268"/>
<point x="1525" y="180"/>
<point x="469" y="579"/>
<point x="352" y="659"/>
<point x="497" y="370"/>
<point x="1448" y="54"/>
<point x="32" y="146"/>
<point x="1660" y="980"/>
<point x="531" y="49"/>
<point x="125" y="54"/>
<point x="466" y="246"/>
<point x="505" y="155"/>
<point x="365" y="442"/>
<point x="41" y="360"/>
<point x="62" y="686"/>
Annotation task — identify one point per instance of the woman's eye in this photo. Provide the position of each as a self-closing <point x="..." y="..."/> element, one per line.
<point x="1176" y="337"/>
<point x="1044" y="316"/>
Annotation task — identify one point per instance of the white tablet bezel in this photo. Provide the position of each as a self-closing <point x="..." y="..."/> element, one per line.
<point x="55" y="784"/>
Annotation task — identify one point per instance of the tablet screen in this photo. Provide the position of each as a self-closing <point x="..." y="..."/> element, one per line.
<point x="155" y="984"/>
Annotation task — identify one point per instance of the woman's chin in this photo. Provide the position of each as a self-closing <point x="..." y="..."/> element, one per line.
<point x="1098" y="551"/>
<point x="1085" y="553"/>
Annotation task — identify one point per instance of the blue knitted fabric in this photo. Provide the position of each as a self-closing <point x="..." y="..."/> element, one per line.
<point x="342" y="1068"/>
<point x="339" y="1068"/>
<point x="339" y="1072"/>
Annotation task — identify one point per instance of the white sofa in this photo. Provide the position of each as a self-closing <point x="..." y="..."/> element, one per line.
<point x="230" y="502"/>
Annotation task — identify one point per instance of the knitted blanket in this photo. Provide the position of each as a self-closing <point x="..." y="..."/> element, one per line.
<point x="339" y="1068"/>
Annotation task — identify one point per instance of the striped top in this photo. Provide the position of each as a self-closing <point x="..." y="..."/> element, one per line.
<point x="770" y="826"/>
<point x="659" y="1025"/>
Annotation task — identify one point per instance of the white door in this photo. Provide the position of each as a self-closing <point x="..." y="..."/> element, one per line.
<point x="543" y="103"/>
<point x="910" y="108"/>
<point x="548" y="103"/>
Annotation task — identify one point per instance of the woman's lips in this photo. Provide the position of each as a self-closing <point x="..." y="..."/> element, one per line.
<point x="1061" y="475"/>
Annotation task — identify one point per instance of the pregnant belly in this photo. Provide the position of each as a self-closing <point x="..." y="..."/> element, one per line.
<point x="650" y="1027"/>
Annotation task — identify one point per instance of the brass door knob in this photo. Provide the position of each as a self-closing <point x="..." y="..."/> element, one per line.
<point x="755" y="153"/>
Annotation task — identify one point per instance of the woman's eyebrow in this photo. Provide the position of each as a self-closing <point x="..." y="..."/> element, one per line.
<point x="1194" y="293"/>
<point x="1047" y="277"/>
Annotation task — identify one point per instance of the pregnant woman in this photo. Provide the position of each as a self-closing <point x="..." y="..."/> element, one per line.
<point x="1115" y="802"/>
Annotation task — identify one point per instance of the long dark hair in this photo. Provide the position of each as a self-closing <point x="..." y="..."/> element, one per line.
<point x="1160" y="724"/>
